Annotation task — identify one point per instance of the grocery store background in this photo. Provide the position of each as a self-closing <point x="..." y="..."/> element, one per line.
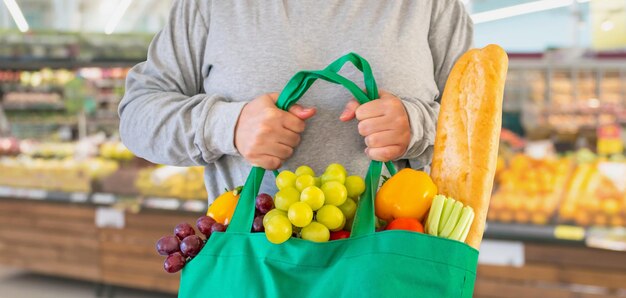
<point x="79" y="214"/>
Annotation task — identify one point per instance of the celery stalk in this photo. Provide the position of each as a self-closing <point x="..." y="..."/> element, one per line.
<point x="445" y="215"/>
<point x="467" y="228"/>
<point x="466" y="220"/>
<point x="434" y="215"/>
<point x="452" y="221"/>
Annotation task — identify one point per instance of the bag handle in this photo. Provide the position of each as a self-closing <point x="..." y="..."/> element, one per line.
<point x="364" y="221"/>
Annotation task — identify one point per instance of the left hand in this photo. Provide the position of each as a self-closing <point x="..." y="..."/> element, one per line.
<point x="384" y="123"/>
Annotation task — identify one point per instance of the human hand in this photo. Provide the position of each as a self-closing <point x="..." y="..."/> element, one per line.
<point x="384" y="123"/>
<point x="266" y="135"/>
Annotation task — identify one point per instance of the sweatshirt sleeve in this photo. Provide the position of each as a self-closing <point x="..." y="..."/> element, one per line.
<point x="165" y="117"/>
<point x="450" y="35"/>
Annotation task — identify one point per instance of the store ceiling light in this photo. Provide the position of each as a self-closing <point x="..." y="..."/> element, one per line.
<point x="17" y="15"/>
<point x="521" y="9"/>
<point x="118" y="13"/>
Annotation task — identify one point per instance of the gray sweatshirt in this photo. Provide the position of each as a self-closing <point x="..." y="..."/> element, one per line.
<point x="182" y="104"/>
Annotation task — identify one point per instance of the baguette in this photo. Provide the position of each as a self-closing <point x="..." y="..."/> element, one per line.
<point x="468" y="132"/>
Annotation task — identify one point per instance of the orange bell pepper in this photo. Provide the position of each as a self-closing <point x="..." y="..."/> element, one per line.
<point x="223" y="208"/>
<point x="409" y="193"/>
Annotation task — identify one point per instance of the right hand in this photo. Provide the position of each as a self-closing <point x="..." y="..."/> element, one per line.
<point x="266" y="135"/>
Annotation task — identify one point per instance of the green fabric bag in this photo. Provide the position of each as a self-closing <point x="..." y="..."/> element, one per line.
<point x="238" y="263"/>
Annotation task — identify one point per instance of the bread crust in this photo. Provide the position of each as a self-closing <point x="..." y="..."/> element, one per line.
<point x="468" y="132"/>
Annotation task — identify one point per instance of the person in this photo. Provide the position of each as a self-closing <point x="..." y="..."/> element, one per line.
<point x="206" y="93"/>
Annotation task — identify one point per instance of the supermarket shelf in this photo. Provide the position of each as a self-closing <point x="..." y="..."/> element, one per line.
<point x="546" y="233"/>
<point x="36" y="64"/>
<point x="35" y="107"/>
<point x="170" y="204"/>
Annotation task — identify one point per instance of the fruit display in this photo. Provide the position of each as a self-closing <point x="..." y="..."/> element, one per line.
<point x="9" y="146"/>
<point x="115" y="150"/>
<point x="51" y="150"/>
<point x="67" y="174"/>
<point x="172" y="182"/>
<point x="578" y="188"/>
<point x="596" y="195"/>
<point x="529" y="190"/>
<point x="314" y="208"/>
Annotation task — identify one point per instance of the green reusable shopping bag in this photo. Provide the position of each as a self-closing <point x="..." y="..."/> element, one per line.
<point x="238" y="263"/>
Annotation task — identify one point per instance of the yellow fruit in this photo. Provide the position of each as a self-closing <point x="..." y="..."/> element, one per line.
<point x="223" y="207"/>
<point x="316" y="232"/>
<point x="278" y="229"/>
<point x="300" y="214"/>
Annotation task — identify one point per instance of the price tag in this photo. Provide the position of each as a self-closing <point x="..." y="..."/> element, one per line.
<point x="609" y="139"/>
<point x="573" y="233"/>
<point x="615" y="171"/>
<point x="78" y="197"/>
<point x="6" y="191"/>
<point x="162" y="203"/>
<point x="36" y="194"/>
<point x="107" y="217"/>
<point x="194" y="206"/>
<point x="607" y="238"/>
<point x="501" y="253"/>
<point x="539" y="149"/>
<point x="103" y="198"/>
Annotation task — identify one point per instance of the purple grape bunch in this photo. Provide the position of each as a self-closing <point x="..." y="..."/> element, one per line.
<point x="184" y="245"/>
<point x="181" y="247"/>
<point x="264" y="203"/>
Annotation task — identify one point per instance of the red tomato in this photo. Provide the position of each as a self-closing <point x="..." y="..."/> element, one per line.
<point x="409" y="224"/>
<point x="339" y="235"/>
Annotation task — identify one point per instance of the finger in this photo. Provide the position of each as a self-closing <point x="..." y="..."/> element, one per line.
<point x="384" y="93"/>
<point x="293" y="123"/>
<point x="371" y="109"/>
<point x="289" y="138"/>
<point x="382" y="139"/>
<point x="277" y="150"/>
<point x="273" y="96"/>
<point x="384" y="154"/>
<point x="302" y="112"/>
<point x="268" y="162"/>
<point x="350" y="110"/>
<point x="373" y="125"/>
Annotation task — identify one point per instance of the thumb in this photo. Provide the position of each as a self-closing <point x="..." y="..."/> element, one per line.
<point x="350" y="111"/>
<point x="302" y="112"/>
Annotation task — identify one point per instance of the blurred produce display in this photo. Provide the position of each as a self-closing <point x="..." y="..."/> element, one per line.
<point x="65" y="174"/>
<point x="175" y="182"/>
<point x="529" y="190"/>
<point x="71" y="48"/>
<point x="40" y="102"/>
<point x="115" y="150"/>
<point x="579" y="188"/>
<point x="9" y="146"/>
<point x="596" y="195"/>
<point x="51" y="150"/>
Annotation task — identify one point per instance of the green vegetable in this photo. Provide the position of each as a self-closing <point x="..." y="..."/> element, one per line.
<point x="447" y="210"/>
<point x="432" y="223"/>
<point x="467" y="215"/>
<point x="448" y="218"/>
<point x="450" y="224"/>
